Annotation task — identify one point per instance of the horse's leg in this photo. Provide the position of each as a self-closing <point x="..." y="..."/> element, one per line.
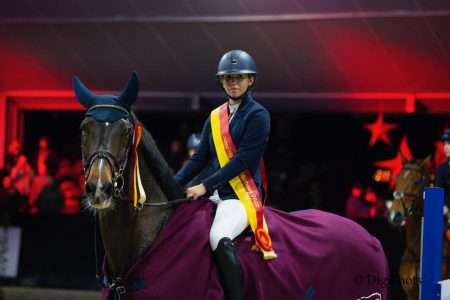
<point x="409" y="280"/>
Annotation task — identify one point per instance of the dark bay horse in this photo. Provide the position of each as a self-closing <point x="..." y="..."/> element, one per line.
<point x="158" y="250"/>
<point x="407" y="209"/>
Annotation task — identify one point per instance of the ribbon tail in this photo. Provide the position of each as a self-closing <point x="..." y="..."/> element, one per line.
<point x="141" y="191"/>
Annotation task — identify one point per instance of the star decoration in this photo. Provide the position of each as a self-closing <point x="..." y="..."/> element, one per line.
<point x="395" y="164"/>
<point x="379" y="130"/>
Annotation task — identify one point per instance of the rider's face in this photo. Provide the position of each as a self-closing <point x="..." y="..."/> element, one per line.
<point x="447" y="148"/>
<point x="236" y="85"/>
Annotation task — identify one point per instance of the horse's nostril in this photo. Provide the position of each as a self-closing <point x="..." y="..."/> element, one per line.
<point x="90" y="188"/>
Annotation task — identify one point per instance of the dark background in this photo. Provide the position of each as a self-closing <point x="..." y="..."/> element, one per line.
<point x="313" y="160"/>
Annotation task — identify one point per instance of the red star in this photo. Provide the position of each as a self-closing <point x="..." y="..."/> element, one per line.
<point x="395" y="164"/>
<point x="380" y="130"/>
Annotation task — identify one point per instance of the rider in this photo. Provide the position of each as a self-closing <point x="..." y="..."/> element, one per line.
<point x="443" y="171"/>
<point x="242" y="122"/>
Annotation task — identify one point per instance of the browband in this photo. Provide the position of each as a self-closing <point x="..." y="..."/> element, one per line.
<point x="108" y="106"/>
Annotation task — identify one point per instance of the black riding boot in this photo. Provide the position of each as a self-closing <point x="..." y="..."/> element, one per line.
<point x="227" y="261"/>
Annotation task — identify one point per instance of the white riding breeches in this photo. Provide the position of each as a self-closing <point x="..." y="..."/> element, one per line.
<point x="230" y="221"/>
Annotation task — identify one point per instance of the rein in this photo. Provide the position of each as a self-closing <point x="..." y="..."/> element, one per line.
<point x="168" y="203"/>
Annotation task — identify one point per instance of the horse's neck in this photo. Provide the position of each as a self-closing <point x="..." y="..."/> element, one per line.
<point x="128" y="232"/>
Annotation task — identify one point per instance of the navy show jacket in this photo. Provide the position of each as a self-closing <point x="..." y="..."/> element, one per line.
<point x="250" y="130"/>
<point x="443" y="180"/>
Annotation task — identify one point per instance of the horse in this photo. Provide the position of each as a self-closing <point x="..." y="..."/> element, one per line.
<point x="407" y="210"/>
<point x="157" y="247"/>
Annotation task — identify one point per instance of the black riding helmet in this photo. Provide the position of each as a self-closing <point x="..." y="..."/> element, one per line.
<point x="236" y="62"/>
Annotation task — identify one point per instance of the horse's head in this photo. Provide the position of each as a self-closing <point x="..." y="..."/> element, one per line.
<point x="408" y="194"/>
<point x="106" y="139"/>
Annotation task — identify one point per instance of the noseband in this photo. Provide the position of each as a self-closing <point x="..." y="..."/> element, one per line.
<point x="117" y="167"/>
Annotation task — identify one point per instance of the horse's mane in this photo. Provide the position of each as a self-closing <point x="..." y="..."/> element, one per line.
<point x="160" y="169"/>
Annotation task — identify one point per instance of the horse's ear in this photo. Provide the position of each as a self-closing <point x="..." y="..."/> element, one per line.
<point x="426" y="162"/>
<point x="130" y="92"/>
<point x="83" y="94"/>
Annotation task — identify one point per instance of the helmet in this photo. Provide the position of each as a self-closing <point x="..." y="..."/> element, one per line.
<point x="193" y="141"/>
<point x="446" y="135"/>
<point x="236" y="62"/>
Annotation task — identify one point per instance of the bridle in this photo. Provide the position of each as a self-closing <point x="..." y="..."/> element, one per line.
<point x="118" y="166"/>
<point x="413" y="211"/>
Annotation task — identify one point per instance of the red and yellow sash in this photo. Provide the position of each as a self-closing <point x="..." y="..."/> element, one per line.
<point x="137" y="192"/>
<point x="243" y="185"/>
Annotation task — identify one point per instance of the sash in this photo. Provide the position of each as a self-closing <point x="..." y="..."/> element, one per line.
<point x="243" y="185"/>
<point x="137" y="192"/>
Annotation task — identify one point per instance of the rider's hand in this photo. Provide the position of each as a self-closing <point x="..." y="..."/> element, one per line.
<point x="195" y="192"/>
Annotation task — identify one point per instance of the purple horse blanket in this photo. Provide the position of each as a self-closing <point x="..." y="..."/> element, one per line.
<point x="321" y="256"/>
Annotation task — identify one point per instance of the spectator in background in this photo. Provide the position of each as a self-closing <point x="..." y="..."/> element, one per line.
<point x="64" y="169"/>
<point x="19" y="176"/>
<point x="44" y="162"/>
<point x="192" y="144"/>
<point x="45" y="195"/>
<point x="175" y="155"/>
<point x="443" y="170"/>
<point x="13" y="152"/>
<point x="40" y="182"/>
<point x="77" y="171"/>
<point x="191" y="147"/>
<point x="45" y="157"/>
<point x="71" y="195"/>
<point x="69" y="175"/>
<point x="364" y="205"/>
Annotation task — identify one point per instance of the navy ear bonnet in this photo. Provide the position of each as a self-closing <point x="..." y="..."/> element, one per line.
<point x="116" y="107"/>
